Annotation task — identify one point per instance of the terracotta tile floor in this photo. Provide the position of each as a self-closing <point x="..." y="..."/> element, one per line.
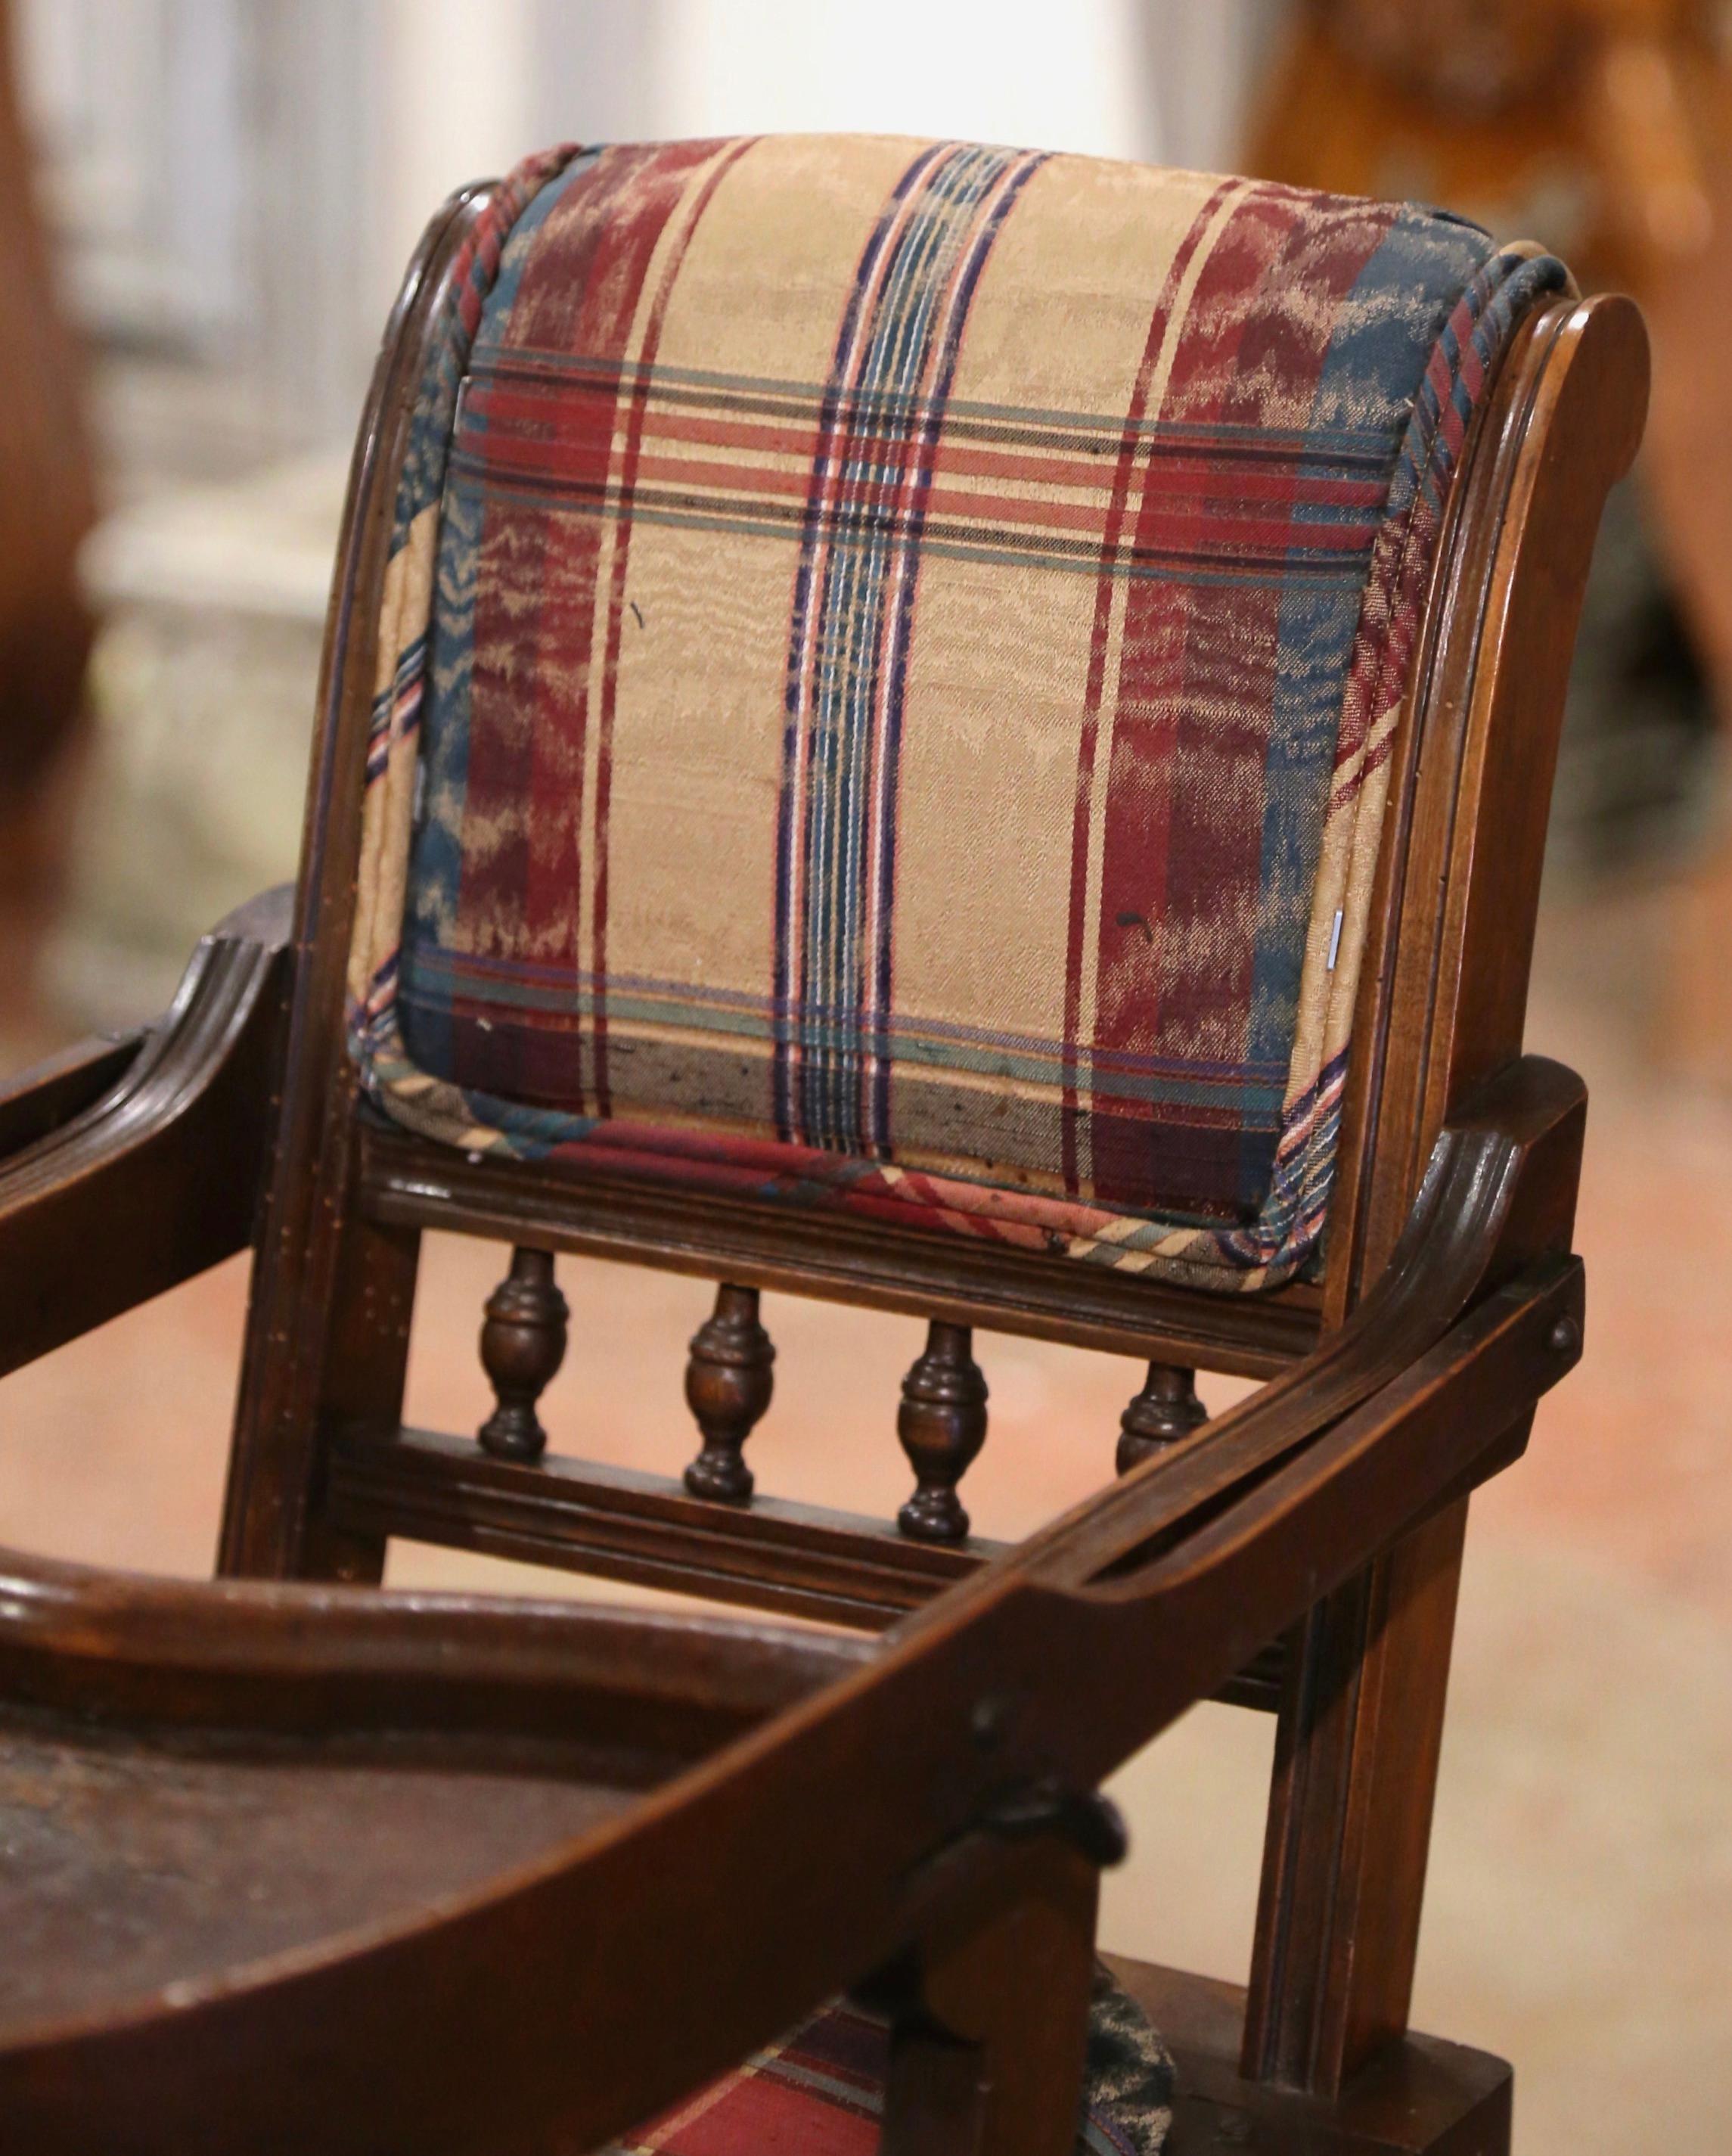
<point x="1580" y="1914"/>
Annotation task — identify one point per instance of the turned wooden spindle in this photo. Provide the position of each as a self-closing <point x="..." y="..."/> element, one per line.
<point x="1165" y="1409"/>
<point x="942" y="1424"/>
<point x="728" y="1383"/>
<point x="523" y="1343"/>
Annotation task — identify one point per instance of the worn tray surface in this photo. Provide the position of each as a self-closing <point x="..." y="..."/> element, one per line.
<point x="130" y="1861"/>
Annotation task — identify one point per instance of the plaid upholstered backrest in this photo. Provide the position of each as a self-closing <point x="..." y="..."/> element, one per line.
<point x="890" y="656"/>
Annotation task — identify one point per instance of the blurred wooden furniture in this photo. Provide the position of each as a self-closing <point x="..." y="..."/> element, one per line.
<point x="1606" y="125"/>
<point x="543" y="1869"/>
<point x="46" y="494"/>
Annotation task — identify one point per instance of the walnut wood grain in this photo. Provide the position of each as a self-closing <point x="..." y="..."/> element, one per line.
<point x="941" y="1426"/>
<point x="137" y="1860"/>
<point x="729" y="1378"/>
<point x="523" y="1343"/>
<point x="1165" y="1410"/>
<point x="290" y="1364"/>
<point x="619" y="1523"/>
<point x="989" y="2021"/>
<point x="366" y="1364"/>
<point x="46" y="1097"/>
<point x="127" y="1650"/>
<point x="1419" y="2097"/>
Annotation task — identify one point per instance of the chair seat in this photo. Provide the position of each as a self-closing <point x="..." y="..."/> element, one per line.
<point x="143" y="1861"/>
<point x="820" y="2091"/>
<point x="137" y="1860"/>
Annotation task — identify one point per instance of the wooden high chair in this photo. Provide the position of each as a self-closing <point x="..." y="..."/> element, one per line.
<point x="949" y="729"/>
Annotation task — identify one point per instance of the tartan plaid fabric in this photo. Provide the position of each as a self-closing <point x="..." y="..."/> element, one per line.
<point x="820" y="2091"/>
<point x="889" y="667"/>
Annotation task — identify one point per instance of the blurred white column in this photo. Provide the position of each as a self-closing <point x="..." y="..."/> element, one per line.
<point x="134" y="107"/>
<point x="1067" y="77"/>
<point x="595" y="71"/>
<point x="1201" y="63"/>
<point x="456" y="85"/>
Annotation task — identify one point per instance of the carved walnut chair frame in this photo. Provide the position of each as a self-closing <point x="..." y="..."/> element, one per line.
<point x="1298" y="1554"/>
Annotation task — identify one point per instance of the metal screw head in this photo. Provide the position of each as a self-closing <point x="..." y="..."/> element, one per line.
<point x="1565" y="1337"/>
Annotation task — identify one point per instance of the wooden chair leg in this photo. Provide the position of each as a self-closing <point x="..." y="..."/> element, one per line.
<point x="988" y="2044"/>
<point x="932" y="2095"/>
<point x="1356" y="1756"/>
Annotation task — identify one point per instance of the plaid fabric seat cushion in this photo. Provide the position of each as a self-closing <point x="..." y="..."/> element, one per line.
<point x="890" y="662"/>
<point x="820" y="2091"/>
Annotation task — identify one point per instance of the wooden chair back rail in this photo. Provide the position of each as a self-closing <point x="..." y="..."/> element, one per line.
<point x="408" y="1182"/>
<point x="622" y="1524"/>
<point x="323" y="1473"/>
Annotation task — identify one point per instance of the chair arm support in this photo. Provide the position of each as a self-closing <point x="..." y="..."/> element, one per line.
<point x="1080" y="1645"/>
<point x="1496" y="1201"/>
<point x="137" y="1163"/>
<point x="1052" y="1680"/>
<point x="1189" y="1604"/>
<point x="1152" y="1594"/>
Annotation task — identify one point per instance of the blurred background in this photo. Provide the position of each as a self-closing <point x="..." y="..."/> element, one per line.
<point x="204" y="209"/>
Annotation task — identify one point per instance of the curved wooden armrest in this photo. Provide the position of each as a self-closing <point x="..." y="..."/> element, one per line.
<point x="44" y="1099"/>
<point x="161" y="1134"/>
<point x="320" y="1660"/>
